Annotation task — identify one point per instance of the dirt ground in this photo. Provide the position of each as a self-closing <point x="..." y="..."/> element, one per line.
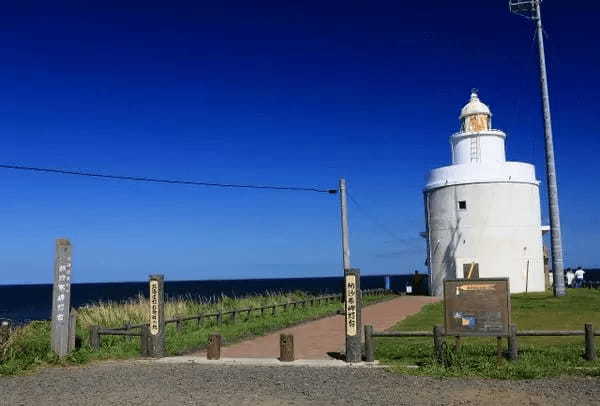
<point x="144" y="383"/>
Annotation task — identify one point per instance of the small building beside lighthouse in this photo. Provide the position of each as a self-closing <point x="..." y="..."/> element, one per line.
<point x="482" y="212"/>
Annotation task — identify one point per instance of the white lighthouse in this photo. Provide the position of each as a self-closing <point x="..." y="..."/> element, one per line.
<point x="482" y="212"/>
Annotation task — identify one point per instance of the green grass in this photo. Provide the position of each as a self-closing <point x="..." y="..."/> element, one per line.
<point x="538" y="356"/>
<point x="29" y="346"/>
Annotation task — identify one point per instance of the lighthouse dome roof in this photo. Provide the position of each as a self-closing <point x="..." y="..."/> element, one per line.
<point x="474" y="106"/>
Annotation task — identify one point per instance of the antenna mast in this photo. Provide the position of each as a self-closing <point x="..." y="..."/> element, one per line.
<point x="531" y="9"/>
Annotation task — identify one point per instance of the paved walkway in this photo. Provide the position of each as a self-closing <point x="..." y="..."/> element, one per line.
<point x="313" y="340"/>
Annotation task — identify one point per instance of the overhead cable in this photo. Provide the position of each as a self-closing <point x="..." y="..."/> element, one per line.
<point x="373" y="219"/>
<point x="169" y="181"/>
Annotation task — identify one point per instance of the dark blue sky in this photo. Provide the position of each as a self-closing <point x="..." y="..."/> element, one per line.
<point x="296" y="94"/>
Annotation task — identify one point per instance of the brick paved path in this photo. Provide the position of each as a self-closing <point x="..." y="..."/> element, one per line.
<point x="313" y="340"/>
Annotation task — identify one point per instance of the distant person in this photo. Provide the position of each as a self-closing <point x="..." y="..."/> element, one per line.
<point x="579" y="277"/>
<point x="418" y="285"/>
<point x="570" y="275"/>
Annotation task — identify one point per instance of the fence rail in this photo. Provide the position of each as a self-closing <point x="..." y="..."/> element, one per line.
<point x="132" y="330"/>
<point x="439" y="332"/>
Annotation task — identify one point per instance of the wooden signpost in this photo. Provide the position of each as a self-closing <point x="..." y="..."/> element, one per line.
<point x="156" y="345"/>
<point x="62" y="341"/>
<point x="353" y="315"/>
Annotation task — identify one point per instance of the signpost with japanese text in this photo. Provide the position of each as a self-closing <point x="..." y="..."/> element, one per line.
<point x="157" y="316"/>
<point x="61" y="298"/>
<point x="477" y="307"/>
<point x="353" y="315"/>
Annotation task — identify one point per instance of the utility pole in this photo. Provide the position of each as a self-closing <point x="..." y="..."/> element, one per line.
<point x="345" y="231"/>
<point x="351" y="293"/>
<point x="531" y="9"/>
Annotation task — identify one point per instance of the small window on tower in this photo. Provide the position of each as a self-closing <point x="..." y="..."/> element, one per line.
<point x="462" y="205"/>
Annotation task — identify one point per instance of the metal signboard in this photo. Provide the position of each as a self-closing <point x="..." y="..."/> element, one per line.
<point x="477" y="307"/>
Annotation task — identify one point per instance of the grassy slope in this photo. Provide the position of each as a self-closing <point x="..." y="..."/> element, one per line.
<point x="539" y="356"/>
<point x="29" y="347"/>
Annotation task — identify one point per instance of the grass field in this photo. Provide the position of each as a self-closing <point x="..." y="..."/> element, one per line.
<point x="29" y="347"/>
<point x="538" y="356"/>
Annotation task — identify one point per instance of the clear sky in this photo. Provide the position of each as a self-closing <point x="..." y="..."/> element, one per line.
<point x="291" y="93"/>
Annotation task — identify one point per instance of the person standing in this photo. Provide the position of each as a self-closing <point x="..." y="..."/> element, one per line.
<point x="579" y="277"/>
<point x="570" y="275"/>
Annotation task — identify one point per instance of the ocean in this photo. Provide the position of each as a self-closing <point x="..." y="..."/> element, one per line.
<point x="22" y="303"/>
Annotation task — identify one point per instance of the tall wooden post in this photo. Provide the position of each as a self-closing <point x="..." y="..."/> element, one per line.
<point x="157" y="316"/>
<point x="61" y="298"/>
<point x="353" y="315"/>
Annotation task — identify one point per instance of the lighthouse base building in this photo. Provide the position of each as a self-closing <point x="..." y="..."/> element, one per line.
<point x="483" y="215"/>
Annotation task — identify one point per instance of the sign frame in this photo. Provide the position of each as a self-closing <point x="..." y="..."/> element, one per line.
<point x="454" y="305"/>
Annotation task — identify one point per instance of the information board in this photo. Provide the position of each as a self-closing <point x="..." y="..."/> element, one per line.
<point x="477" y="307"/>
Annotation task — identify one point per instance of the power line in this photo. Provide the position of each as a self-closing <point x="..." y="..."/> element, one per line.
<point x="169" y="181"/>
<point x="373" y="219"/>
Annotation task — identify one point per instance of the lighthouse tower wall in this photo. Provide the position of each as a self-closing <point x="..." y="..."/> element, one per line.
<point x="495" y="226"/>
<point x="483" y="213"/>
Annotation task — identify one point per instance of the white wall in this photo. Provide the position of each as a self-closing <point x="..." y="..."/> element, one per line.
<point x="485" y="146"/>
<point x="500" y="230"/>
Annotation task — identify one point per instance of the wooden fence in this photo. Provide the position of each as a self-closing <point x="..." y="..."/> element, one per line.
<point x="230" y="316"/>
<point x="438" y="333"/>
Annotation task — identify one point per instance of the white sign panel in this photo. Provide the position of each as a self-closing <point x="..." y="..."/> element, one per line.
<point x="154" y="314"/>
<point x="351" y="319"/>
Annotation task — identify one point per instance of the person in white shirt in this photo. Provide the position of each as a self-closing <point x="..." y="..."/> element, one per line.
<point x="579" y="277"/>
<point x="570" y="276"/>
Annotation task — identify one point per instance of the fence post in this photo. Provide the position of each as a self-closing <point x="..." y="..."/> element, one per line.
<point x="4" y="331"/>
<point x="438" y="343"/>
<point x="233" y="313"/>
<point x="144" y="341"/>
<point x="369" y="344"/>
<point x="157" y="315"/>
<point x="590" y="345"/>
<point x="457" y="343"/>
<point x="72" y="329"/>
<point x="213" y="351"/>
<point x="178" y="325"/>
<point x="286" y="348"/>
<point x="499" y="348"/>
<point x="513" y="345"/>
<point x="352" y="316"/>
<point x="95" y="338"/>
